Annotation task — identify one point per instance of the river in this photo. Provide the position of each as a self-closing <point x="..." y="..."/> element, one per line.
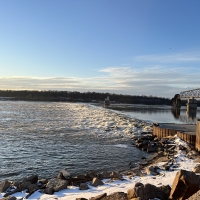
<point x="45" y="137"/>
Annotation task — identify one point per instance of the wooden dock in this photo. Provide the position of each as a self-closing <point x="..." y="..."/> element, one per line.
<point x="187" y="132"/>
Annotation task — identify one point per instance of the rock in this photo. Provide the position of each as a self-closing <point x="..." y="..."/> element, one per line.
<point x="185" y="184"/>
<point x="81" y="199"/>
<point x="83" y="186"/>
<point x="181" y="147"/>
<point x="4" y="185"/>
<point x="104" y="175"/>
<point x="192" y="154"/>
<point x="137" y="172"/>
<point x="152" y="170"/>
<point x="117" y="196"/>
<point x="151" y="149"/>
<point x="47" y="191"/>
<point x="100" y="197"/>
<point x="32" y="187"/>
<point x="63" y="174"/>
<point x="196" y="169"/>
<point x="16" y="184"/>
<point x="80" y="176"/>
<point x="166" y="189"/>
<point x="144" y="148"/>
<point x="114" y="175"/>
<point x="91" y="175"/>
<point x="43" y="181"/>
<point x="197" y="160"/>
<point x="166" y="166"/>
<point x="24" y="185"/>
<point x="162" y="159"/>
<point x="195" y="196"/>
<point x="96" y="182"/>
<point x="146" y="192"/>
<point x="57" y="184"/>
<point x="33" y="179"/>
<point x="9" y="198"/>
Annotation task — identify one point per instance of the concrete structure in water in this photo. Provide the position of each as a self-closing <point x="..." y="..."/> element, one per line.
<point x="191" y="104"/>
<point x="107" y="101"/>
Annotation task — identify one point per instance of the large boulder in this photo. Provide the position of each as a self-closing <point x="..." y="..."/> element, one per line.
<point x="57" y="184"/>
<point x="32" y="188"/>
<point x="104" y="175"/>
<point x="4" y="185"/>
<point x="166" y="189"/>
<point x="33" y="179"/>
<point x="96" y="182"/>
<point x="43" y="181"/>
<point x="146" y="192"/>
<point x="117" y="196"/>
<point x="113" y="196"/>
<point x="47" y="191"/>
<point x="91" y="175"/>
<point x="152" y="170"/>
<point x="63" y="174"/>
<point x="83" y="186"/>
<point x="24" y="185"/>
<point x="195" y="196"/>
<point x="100" y="197"/>
<point x="185" y="184"/>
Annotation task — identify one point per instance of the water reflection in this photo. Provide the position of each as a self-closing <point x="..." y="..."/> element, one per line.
<point x="191" y="113"/>
<point x="160" y="113"/>
<point x="176" y="112"/>
<point x="189" y="116"/>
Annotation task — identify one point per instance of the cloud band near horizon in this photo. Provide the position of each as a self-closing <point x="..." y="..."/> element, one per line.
<point x="157" y="81"/>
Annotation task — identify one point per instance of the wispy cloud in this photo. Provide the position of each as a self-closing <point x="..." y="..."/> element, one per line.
<point x="158" y="80"/>
<point x="169" y="58"/>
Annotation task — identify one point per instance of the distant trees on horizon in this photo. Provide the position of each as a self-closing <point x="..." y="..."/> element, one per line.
<point x="33" y="95"/>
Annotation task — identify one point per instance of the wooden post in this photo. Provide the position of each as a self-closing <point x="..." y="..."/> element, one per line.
<point x="198" y="135"/>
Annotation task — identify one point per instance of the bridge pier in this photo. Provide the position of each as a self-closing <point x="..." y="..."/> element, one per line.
<point x="191" y="104"/>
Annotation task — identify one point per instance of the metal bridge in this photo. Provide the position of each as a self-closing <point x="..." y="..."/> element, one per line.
<point x="190" y="93"/>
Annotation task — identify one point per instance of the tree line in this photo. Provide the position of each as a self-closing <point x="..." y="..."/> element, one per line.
<point x="32" y="95"/>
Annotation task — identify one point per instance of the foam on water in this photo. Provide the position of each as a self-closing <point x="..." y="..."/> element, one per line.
<point x="121" y="145"/>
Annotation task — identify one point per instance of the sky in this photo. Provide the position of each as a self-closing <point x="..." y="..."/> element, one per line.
<point x="134" y="47"/>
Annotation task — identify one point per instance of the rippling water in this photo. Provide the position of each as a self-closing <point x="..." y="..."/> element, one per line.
<point x="43" y="138"/>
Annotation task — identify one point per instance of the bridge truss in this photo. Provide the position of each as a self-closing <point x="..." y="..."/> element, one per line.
<point x="190" y="93"/>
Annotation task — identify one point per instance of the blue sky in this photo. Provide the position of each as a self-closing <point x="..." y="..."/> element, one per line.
<point x="137" y="47"/>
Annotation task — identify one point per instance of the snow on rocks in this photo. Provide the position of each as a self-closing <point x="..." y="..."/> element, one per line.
<point x="161" y="180"/>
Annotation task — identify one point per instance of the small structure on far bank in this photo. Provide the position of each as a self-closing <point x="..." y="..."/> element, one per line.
<point x="107" y="101"/>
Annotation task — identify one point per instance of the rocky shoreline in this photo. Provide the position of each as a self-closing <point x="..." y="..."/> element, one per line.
<point x="165" y="159"/>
